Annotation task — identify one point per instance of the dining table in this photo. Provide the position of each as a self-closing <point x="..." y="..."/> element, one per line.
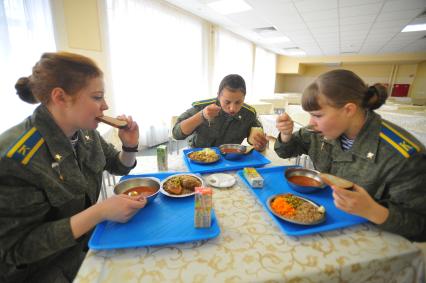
<point x="252" y="248"/>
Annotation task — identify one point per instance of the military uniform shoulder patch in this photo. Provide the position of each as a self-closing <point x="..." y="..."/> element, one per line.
<point x="249" y="108"/>
<point x="204" y="102"/>
<point x="398" y="141"/>
<point x="26" y="146"/>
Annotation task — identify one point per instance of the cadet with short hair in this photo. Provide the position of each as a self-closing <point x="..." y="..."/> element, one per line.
<point x="221" y="120"/>
<point x="51" y="169"/>
<point x="387" y="164"/>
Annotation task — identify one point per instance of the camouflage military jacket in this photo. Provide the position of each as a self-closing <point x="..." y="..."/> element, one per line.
<point x="43" y="182"/>
<point x="384" y="159"/>
<point x="222" y="129"/>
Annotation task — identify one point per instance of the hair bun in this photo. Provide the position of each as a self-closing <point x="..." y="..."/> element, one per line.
<point x="23" y="90"/>
<point x="376" y="96"/>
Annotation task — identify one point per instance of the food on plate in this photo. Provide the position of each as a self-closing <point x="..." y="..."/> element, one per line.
<point x="204" y="155"/>
<point x="297" y="209"/>
<point x="182" y="184"/>
<point x="141" y="190"/>
<point x="304" y="181"/>
<point x="336" y="181"/>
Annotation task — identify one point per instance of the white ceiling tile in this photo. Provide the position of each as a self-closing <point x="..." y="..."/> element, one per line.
<point x="398" y="15"/>
<point x="353" y="11"/>
<point x="323" y="23"/>
<point x="399" y="5"/>
<point x="325" y="30"/>
<point x="366" y="19"/>
<point x="347" y="3"/>
<point x="315" y="5"/>
<point x="399" y="24"/>
<point x="319" y="15"/>
<point x="357" y="27"/>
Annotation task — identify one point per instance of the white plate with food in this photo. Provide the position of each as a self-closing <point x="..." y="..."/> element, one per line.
<point x="204" y="156"/>
<point x="296" y="209"/>
<point x="181" y="185"/>
<point x="221" y="180"/>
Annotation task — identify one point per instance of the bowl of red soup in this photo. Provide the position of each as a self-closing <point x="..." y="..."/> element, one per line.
<point x="141" y="186"/>
<point x="232" y="151"/>
<point x="304" y="180"/>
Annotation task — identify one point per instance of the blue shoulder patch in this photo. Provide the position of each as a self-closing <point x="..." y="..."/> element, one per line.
<point x="250" y="108"/>
<point x="203" y="102"/>
<point x="26" y="146"/>
<point x="398" y="141"/>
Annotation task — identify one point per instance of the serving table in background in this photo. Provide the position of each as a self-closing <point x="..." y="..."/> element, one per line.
<point x="251" y="248"/>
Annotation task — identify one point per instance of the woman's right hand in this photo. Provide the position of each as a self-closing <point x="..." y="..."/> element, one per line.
<point x="120" y="208"/>
<point x="211" y="111"/>
<point x="285" y="126"/>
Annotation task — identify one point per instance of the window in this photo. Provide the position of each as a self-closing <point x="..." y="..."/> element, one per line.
<point x="157" y="61"/>
<point x="233" y="55"/>
<point x="264" y="74"/>
<point x="26" y="31"/>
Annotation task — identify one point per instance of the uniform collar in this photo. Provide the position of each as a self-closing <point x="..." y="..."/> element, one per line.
<point x="367" y="141"/>
<point x="57" y="142"/>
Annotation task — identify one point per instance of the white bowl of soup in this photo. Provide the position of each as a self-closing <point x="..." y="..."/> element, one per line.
<point x="145" y="186"/>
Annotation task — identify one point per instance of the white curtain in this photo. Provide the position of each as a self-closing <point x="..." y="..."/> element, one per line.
<point x="264" y="74"/>
<point x="158" y="63"/>
<point x="26" y="31"/>
<point x="233" y="55"/>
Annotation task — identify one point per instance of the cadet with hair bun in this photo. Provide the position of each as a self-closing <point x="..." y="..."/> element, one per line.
<point x="51" y="168"/>
<point x="346" y="138"/>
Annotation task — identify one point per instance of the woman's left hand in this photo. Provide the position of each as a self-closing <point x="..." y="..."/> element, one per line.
<point x="357" y="201"/>
<point x="129" y="136"/>
<point x="259" y="141"/>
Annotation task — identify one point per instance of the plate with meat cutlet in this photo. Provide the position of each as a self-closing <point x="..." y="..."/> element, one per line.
<point x="181" y="185"/>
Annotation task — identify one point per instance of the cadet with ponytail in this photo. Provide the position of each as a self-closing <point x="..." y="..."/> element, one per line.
<point x="346" y="138"/>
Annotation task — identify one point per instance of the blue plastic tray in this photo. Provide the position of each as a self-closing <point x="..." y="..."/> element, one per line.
<point x="275" y="183"/>
<point x="164" y="221"/>
<point x="253" y="159"/>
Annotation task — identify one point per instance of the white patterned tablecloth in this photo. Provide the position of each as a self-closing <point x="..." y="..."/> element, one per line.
<point x="251" y="248"/>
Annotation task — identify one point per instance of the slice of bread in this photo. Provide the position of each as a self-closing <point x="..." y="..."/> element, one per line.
<point x="336" y="181"/>
<point x="113" y="122"/>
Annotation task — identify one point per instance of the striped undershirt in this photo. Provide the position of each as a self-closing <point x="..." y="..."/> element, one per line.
<point x="346" y="142"/>
<point x="74" y="140"/>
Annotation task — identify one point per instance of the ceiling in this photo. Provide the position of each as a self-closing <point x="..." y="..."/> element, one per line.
<point x="323" y="27"/>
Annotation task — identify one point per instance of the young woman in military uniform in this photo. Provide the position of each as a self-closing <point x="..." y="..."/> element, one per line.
<point x="351" y="141"/>
<point x="51" y="168"/>
<point x="221" y="120"/>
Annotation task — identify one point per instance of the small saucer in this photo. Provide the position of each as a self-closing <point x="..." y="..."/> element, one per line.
<point x="221" y="180"/>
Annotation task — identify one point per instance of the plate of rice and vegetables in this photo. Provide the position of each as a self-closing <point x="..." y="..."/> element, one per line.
<point x="296" y="209"/>
<point x="204" y="156"/>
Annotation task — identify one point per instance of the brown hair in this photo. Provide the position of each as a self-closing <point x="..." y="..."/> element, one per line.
<point x="341" y="87"/>
<point x="69" y="71"/>
<point x="234" y="83"/>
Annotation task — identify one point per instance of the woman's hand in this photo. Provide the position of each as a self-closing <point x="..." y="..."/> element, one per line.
<point x="121" y="208"/>
<point x="129" y="136"/>
<point x="259" y="141"/>
<point x="285" y="126"/>
<point x="211" y="111"/>
<point x="357" y="201"/>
